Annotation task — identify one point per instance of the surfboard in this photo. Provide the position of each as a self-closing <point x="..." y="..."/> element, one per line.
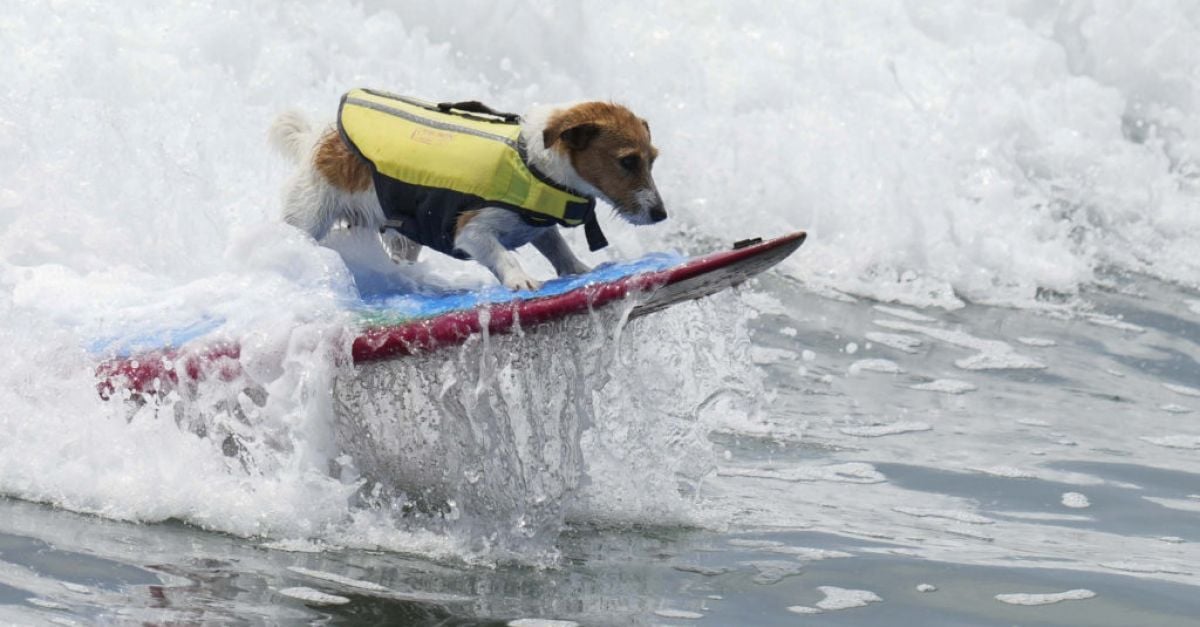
<point x="396" y="325"/>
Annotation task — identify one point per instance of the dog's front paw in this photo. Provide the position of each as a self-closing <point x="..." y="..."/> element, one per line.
<point x="575" y="268"/>
<point x="521" y="281"/>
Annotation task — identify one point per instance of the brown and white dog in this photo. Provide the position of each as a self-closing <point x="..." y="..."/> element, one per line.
<point x="600" y="149"/>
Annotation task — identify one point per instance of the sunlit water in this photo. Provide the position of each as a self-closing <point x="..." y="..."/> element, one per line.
<point x="980" y="373"/>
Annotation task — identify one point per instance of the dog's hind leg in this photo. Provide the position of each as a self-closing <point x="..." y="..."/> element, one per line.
<point x="311" y="204"/>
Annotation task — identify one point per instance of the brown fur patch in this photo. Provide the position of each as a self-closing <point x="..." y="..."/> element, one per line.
<point x="463" y="219"/>
<point x="339" y="165"/>
<point x="610" y="132"/>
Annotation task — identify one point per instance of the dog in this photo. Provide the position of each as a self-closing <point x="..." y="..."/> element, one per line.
<point x="572" y="154"/>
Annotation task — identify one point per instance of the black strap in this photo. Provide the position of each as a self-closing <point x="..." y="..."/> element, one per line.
<point x="474" y="106"/>
<point x="595" y="237"/>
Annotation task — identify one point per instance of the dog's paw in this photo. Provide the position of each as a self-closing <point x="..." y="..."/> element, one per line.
<point x="527" y="284"/>
<point x="576" y="268"/>
<point x="522" y="281"/>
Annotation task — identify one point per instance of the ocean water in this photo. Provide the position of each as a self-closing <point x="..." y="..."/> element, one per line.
<point x="970" y="398"/>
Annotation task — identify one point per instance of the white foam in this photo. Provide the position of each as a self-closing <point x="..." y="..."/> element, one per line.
<point x="45" y="604"/>
<point x="991" y="355"/>
<point x="773" y="571"/>
<point x="1075" y="500"/>
<point x="1028" y="598"/>
<point x="76" y="588"/>
<point x="947" y="514"/>
<point x="1009" y="472"/>
<point x="1113" y="322"/>
<point x="767" y="355"/>
<point x="926" y="587"/>
<point x="1182" y="389"/>
<point x="807" y="553"/>
<point x="1174" y="441"/>
<point x="295" y="545"/>
<point x="946" y="386"/>
<point x="1172" y="408"/>
<point x="845" y="598"/>
<point x="1045" y="516"/>
<point x="895" y="428"/>
<point x="315" y="597"/>
<point x="885" y="366"/>
<point x="837" y="599"/>
<point x="1150" y="568"/>
<point x="541" y="622"/>
<point x="674" y="613"/>
<point x="999" y="361"/>
<point x="1039" y="342"/>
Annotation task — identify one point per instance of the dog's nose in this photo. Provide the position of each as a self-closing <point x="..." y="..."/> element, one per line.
<point x="658" y="213"/>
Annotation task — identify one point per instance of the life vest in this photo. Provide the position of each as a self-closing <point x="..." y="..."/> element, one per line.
<point x="432" y="162"/>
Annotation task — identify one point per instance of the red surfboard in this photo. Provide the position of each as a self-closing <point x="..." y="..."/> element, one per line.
<point x="158" y="371"/>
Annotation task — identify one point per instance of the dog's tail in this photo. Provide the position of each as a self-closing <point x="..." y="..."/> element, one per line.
<point x="291" y="135"/>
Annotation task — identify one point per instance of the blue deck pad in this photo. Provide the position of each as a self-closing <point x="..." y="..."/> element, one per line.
<point x="146" y="340"/>
<point x="389" y="308"/>
<point x="415" y="306"/>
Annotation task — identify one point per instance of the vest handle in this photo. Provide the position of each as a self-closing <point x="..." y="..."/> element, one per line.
<point x="474" y="106"/>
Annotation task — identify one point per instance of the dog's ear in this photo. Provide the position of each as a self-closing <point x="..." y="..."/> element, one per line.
<point x="647" y="125"/>
<point x="576" y="137"/>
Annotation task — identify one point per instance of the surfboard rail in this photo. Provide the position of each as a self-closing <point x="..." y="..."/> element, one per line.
<point x="161" y="370"/>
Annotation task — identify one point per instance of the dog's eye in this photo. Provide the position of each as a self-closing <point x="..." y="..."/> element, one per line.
<point x="631" y="163"/>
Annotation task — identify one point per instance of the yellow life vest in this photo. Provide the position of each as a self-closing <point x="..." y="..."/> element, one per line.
<point x="433" y="162"/>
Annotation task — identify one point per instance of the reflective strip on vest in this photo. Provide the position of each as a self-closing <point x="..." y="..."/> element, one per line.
<point x="414" y="143"/>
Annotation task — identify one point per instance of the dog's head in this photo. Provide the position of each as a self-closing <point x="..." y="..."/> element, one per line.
<point x="609" y="148"/>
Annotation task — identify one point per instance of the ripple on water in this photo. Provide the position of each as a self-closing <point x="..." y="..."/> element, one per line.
<point x="314" y="597"/>
<point x="338" y="579"/>
<point x="1174" y="441"/>
<point x="895" y="428"/>
<point x="946" y="386"/>
<point x="883" y="366"/>
<point x="1182" y="389"/>
<point x="1027" y="598"/>
<point x="850" y="472"/>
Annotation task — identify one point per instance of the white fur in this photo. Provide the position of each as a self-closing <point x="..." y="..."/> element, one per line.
<point x="552" y="163"/>
<point x="310" y="203"/>
<point x="313" y="205"/>
<point x="291" y="135"/>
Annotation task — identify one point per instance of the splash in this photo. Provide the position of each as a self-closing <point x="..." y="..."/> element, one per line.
<point x="1013" y="154"/>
